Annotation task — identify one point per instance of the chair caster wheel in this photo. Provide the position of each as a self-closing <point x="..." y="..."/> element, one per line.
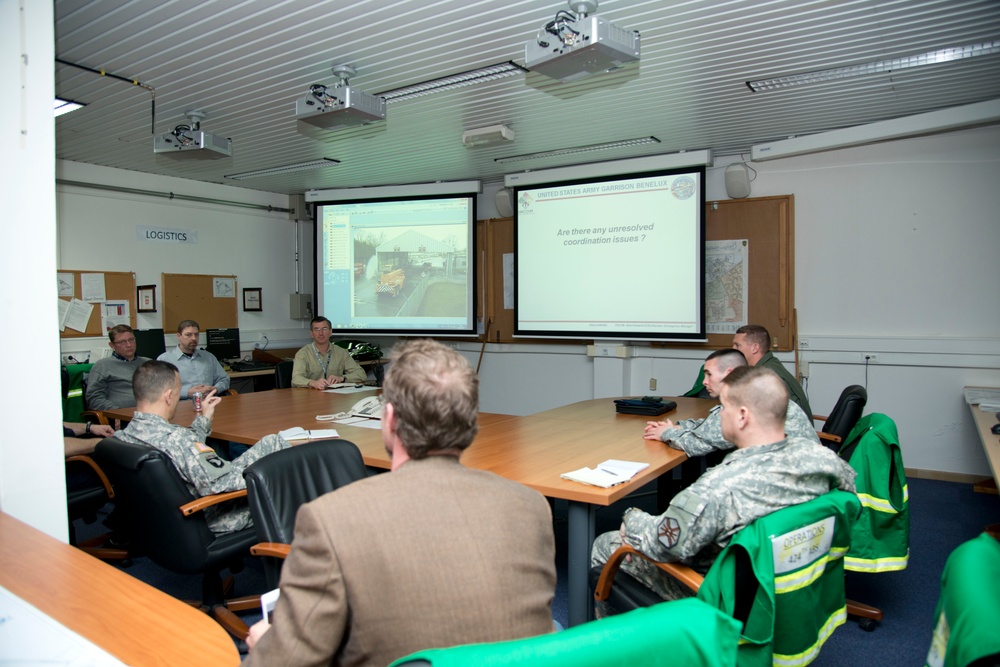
<point x="867" y="624"/>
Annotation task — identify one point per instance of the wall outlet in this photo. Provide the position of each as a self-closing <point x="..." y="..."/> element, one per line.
<point x="652" y="384"/>
<point x="609" y="351"/>
<point x="803" y="343"/>
<point x="804" y="369"/>
<point x="869" y="357"/>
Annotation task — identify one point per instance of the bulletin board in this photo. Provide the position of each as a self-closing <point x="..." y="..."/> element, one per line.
<point x="199" y="298"/>
<point x="767" y="223"/>
<point x="118" y="286"/>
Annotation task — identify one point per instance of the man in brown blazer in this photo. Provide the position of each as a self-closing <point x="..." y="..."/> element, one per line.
<point x="431" y="554"/>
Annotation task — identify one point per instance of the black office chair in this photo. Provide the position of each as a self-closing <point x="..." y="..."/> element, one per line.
<point x="283" y="374"/>
<point x="166" y="521"/>
<point x="87" y="491"/>
<point x="846" y="413"/>
<point x="279" y="483"/>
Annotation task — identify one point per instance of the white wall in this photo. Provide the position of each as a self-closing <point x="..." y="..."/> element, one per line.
<point x="31" y="443"/>
<point x="895" y="252"/>
<point x="97" y="231"/>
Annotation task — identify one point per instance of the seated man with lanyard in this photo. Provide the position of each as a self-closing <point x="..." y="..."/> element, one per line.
<point x="199" y="370"/>
<point x="321" y="364"/>
<point x="767" y="472"/>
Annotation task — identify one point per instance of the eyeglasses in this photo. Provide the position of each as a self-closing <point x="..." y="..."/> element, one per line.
<point x="124" y="341"/>
<point x="321" y="329"/>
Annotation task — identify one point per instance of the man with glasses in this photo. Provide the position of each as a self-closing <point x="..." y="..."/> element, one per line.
<point x="200" y="371"/>
<point x="109" y="385"/>
<point x="321" y="364"/>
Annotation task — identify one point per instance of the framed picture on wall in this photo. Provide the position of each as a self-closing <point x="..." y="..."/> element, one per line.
<point x="251" y="299"/>
<point x="147" y="298"/>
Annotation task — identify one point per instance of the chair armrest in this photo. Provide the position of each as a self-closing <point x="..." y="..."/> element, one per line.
<point x="276" y="549"/>
<point x="187" y="509"/>
<point x="679" y="571"/>
<point x="95" y="417"/>
<point x="820" y="418"/>
<point x="829" y="436"/>
<point x="86" y="460"/>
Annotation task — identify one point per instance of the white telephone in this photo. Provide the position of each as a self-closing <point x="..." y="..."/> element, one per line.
<point x="370" y="406"/>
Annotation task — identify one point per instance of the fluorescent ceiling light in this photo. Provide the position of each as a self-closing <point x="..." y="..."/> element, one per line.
<point x="61" y="106"/>
<point x="633" y="165"/>
<point x="905" y="62"/>
<point x="579" y="149"/>
<point x="460" y="80"/>
<point x="286" y="169"/>
<point x="926" y="123"/>
<point x="407" y="190"/>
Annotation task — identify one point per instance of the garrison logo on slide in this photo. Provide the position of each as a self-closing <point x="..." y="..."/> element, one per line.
<point x="525" y="201"/>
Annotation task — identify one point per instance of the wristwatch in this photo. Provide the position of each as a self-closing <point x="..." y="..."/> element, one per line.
<point x="87" y="432"/>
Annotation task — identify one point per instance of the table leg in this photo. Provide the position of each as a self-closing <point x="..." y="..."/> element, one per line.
<point x="581" y="539"/>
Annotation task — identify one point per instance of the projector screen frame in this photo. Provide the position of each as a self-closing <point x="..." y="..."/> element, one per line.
<point x="589" y="177"/>
<point x="390" y="195"/>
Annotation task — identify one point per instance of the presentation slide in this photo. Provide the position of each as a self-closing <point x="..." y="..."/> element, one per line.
<point x="395" y="267"/>
<point x="616" y="258"/>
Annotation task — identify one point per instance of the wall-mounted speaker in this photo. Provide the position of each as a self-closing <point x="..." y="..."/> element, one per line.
<point x="503" y="200"/>
<point x="737" y="181"/>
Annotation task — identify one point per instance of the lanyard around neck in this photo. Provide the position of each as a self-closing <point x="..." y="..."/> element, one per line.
<point x="320" y="359"/>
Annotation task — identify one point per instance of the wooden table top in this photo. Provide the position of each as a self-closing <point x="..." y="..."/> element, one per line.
<point x="991" y="442"/>
<point x="129" y="619"/>
<point x="533" y="450"/>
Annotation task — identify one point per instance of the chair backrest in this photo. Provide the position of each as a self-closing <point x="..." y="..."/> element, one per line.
<point x="880" y="538"/>
<point x="150" y="491"/>
<point x="796" y="555"/>
<point x="968" y="611"/>
<point x="684" y="632"/>
<point x="846" y="413"/>
<point x="283" y="374"/>
<point x="279" y="483"/>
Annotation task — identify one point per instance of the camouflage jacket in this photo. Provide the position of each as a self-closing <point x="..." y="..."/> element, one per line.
<point x="205" y="472"/>
<point x="697" y="437"/>
<point x="748" y="484"/>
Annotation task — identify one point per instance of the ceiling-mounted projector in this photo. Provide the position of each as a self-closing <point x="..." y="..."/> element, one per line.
<point x="342" y="106"/>
<point x="190" y="142"/>
<point x="484" y="136"/>
<point x="570" y="48"/>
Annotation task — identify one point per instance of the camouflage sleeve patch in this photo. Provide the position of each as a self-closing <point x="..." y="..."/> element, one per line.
<point x="211" y="464"/>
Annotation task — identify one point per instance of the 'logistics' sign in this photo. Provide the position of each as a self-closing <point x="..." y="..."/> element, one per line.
<point x="165" y="235"/>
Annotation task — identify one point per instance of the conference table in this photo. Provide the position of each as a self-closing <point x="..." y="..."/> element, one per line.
<point x="120" y="614"/>
<point x="533" y="450"/>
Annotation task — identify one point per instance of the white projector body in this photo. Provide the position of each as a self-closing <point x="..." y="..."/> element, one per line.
<point x="598" y="47"/>
<point x="349" y="108"/>
<point x="199" y="146"/>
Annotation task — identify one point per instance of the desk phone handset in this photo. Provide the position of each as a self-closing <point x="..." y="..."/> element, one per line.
<point x="370" y="407"/>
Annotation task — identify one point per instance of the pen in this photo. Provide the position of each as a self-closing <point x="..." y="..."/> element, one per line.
<point x="610" y="472"/>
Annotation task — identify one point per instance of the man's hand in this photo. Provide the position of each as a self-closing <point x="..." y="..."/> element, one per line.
<point x="655" y="429"/>
<point x="208" y="403"/>
<point x="257" y="631"/>
<point x="102" y="430"/>
<point x="621" y="532"/>
<point x="335" y="379"/>
<point x="318" y="384"/>
<point x="203" y="388"/>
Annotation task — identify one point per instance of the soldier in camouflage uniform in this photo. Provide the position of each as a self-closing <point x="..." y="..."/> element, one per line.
<point x="766" y="473"/>
<point x="157" y="386"/>
<point x="697" y="437"/>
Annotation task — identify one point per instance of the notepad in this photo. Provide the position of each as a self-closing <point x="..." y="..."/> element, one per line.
<point x="299" y="433"/>
<point x="607" y="473"/>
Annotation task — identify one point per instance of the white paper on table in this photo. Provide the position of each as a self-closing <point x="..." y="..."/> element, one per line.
<point x="360" y="422"/>
<point x="299" y="433"/>
<point x="627" y="469"/>
<point x="347" y="388"/>
<point x="594" y="477"/>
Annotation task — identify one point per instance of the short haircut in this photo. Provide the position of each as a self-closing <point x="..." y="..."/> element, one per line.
<point x="728" y="359"/>
<point x="187" y="323"/>
<point x="435" y="397"/>
<point x="152" y="379"/>
<point x="118" y="329"/>
<point x="755" y="333"/>
<point x="318" y="319"/>
<point x="760" y="390"/>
